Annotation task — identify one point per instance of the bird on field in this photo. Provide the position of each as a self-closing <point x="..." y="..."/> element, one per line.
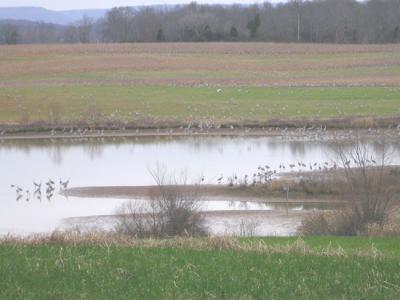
<point x="64" y="184"/>
<point x="38" y="186"/>
<point x="28" y="195"/>
<point x="50" y="184"/>
<point x="18" y="190"/>
<point x="49" y="196"/>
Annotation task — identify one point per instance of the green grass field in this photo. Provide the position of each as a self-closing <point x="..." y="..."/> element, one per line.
<point x="96" y="272"/>
<point x="185" y="104"/>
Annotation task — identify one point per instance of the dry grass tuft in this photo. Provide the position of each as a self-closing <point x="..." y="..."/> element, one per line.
<point x="106" y="239"/>
<point x="328" y="223"/>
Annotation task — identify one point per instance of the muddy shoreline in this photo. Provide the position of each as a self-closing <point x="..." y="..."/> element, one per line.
<point x="305" y="133"/>
<point x="366" y="125"/>
<point x="206" y="192"/>
<point x="219" y="223"/>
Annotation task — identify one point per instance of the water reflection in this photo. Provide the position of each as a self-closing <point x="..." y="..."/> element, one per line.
<point x="125" y="162"/>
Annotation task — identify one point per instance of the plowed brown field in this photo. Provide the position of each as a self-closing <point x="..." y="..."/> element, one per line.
<point x="214" y="81"/>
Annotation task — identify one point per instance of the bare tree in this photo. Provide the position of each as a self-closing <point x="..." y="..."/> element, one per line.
<point x="323" y="21"/>
<point x="253" y="26"/>
<point x="297" y="5"/>
<point x="84" y="29"/>
<point x="117" y="25"/>
<point x="174" y="210"/>
<point x="9" y="34"/>
<point x="70" y="34"/>
<point x="370" y="186"/>
<point x="368" y="182"/>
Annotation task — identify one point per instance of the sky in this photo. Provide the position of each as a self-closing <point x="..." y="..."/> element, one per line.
<point x="83" y="4"/>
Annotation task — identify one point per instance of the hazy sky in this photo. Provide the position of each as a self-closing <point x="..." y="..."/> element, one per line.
<point x="81" y="4"/>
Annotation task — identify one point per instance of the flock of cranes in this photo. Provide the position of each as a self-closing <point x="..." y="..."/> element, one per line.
<point x="49" y="188"/>
<point x="312" y="132"/>
<point x="266" y="173"/>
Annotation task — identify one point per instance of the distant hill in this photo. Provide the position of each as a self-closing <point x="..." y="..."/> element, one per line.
<point x="39" y="14"/>
<point x="76" y="15"/>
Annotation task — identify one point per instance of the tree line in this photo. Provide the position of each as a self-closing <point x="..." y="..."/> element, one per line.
<point x="319" y="21"/>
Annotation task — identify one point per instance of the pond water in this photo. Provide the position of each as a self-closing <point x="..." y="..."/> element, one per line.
<point x="127" y="161"/>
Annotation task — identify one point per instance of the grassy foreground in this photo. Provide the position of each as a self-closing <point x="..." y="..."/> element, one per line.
<point x="353" y="268"/>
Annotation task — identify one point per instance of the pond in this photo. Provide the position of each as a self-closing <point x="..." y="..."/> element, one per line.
<point x="127" y="161"/>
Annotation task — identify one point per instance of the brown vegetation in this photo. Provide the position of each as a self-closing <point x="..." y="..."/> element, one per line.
<point x="173" y="211"/>
<point x="242" y="64"/>
<point x="108" y="240"/>
<point x="152" y="127"/>
<point x="372" y="192"/>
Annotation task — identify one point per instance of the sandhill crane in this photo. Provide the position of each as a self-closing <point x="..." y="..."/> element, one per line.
<point x="38" y="186"/>
<point x="64" y="184"/>
<point x="18" y="190"/>
<point x="245" y="179"/>
<point x="28" y="195"/>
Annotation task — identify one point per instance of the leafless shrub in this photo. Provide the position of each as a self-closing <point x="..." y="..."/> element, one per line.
<point x="174" y="210"/>
<point x="391" y="227"/>
<point x="370" y="188"/>
<point x="369" y="184"/>
<point x="247" y="228"/>
<point x="328" y="223"/>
